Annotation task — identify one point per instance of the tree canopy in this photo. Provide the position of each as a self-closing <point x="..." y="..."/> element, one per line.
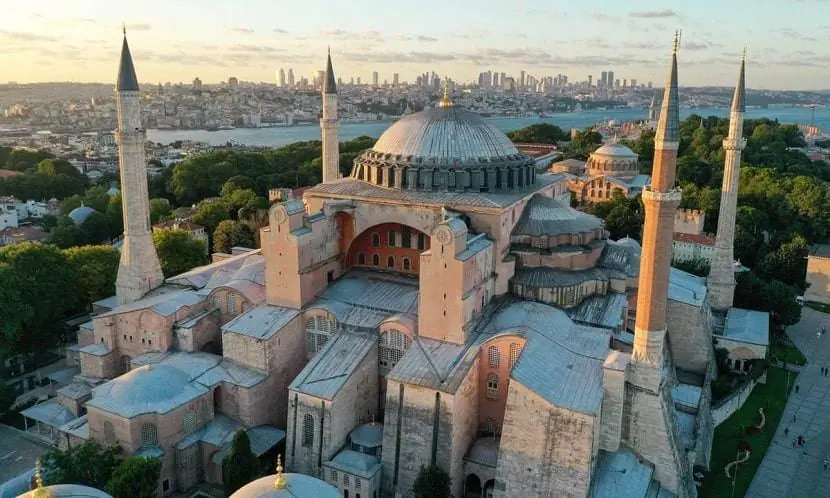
<point x="89" y="464"/>
<point x="96" y="267"/>
<point x="432" y="482"/>
<point x="240" y="466"/>
<point x="178" y="251"/>
<point x="541" y="133"/>
<point x="135" y="477"/>
<point x="231" y="234"/>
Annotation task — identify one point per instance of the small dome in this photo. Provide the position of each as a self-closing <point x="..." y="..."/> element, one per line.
<point x="546" y="216"/>
<point x="113" y="191"/>
<point x="68" y="491"/>
<point x="615" y="150"/>
<point x="80" y="214"/>
<point x="296" y="486"/>
<point x="368" y="435"/>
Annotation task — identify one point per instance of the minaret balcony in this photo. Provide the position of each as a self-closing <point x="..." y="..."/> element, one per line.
<point x="734" y="144"/>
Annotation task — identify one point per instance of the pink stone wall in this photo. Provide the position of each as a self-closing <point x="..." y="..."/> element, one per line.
<point x="491" y="405"/>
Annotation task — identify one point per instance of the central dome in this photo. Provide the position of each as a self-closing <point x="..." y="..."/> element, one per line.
<point x="451" y="133"/>
<point x="445" y="149"/>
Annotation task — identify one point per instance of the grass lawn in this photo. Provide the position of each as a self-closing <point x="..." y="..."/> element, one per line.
<point x="772" y="398"/>
<point x="784" y="349"/>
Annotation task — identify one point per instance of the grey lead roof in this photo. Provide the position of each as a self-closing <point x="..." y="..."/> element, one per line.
<point x="358" y="188"/>
<point x="330" y="85"/>
<point x="546" y="216"/>
<point x="261" y="322"/>
<point x="127" y="80"/>
<point x="621" y="474"/>
<point x="445" y="132"/>
<point x="738" y="100"/>
<point x="747" y="326"/>
<point x="601" y="311"/>
<point x="331" y="368"/>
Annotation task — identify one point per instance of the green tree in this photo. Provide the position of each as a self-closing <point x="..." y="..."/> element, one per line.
<point x="432" y="482"/>
<point x="53" y="167"/>
<point x="97" y="267"/>
<point x="231" y="234"/>
<point x="240" y="466"/>
<point x="238" y="182"/>
<point x="38" y="283"/>
<point x="159" y="209"/>
<point x="135" y="477"/>
<point x="210" y="213"/>
<point x="89" y="464"/>
<point x="8" y="397"/>
<point x="540" y="133"/>
<point x="178" y="251"/>
<point x="22" y="159"/>
<point x="96" y="229"/>
<point x="66" y="233"/>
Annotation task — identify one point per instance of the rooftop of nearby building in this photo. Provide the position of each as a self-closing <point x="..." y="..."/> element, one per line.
<point x="22" y="234"/>
<point x="694" y="238"/>
<point x="820" y="251"/>
<point x="261" y="322"/>
<point x="330" y="369"/>
<point x="621" y="473"/>
<point x="747" y="326"/>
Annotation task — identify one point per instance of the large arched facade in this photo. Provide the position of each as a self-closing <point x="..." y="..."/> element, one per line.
<point x="388" y="246"/>
<point x="496" y="359"/>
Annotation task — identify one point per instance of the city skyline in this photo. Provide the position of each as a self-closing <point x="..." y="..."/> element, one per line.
<point x="45" y="41"/>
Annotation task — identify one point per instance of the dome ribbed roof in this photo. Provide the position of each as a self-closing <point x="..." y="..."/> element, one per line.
<point x="616" y="150"/>
<point x="448" y="132"/>
<point x="80" y="214"/>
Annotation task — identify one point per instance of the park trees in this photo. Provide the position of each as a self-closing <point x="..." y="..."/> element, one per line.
<point x="135" y="477"/>
<point x="96" y="267"/>
<point x="240" y="466"/>
<point x="90" y="464"/>
<point x="432" y="482"/>
<point x="231" y="234"/>
<point x="178" y="251"/>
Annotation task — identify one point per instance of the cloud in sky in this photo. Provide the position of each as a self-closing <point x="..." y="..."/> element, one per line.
<point x="281" y="31"/>
<point x="240" y="30"/>
<point x="652" y="14"/>
<point x="26" y="37"/>
<point x="139" y="27"/>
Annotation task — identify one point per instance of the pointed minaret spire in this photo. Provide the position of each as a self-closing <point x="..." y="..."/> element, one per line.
<point x="721" y="280"/>
<point x="329" y="85"/>
<point x="127" y="80"/>
<point x="139" y="270"/>
<point x="661" y="201"/>
<point x="330" y="126"/>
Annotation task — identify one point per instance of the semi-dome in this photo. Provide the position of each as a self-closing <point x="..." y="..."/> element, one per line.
<point x="146" y="389"/>
<point x="80" y="214"/>
<point x="446" y="148"/>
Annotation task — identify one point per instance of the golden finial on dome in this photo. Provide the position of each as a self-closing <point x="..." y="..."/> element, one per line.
<point x="280" y="482"/>
<point x="39" y="491"/>
<point x="446" y="101"/>
<point x="676" y="44"/>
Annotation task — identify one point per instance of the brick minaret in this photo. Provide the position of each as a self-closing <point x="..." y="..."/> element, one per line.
<point x="661" y="201"/>
<point x="139" y="270"/>
<point x="721" y="281"/>
<point x="330" y="127"/>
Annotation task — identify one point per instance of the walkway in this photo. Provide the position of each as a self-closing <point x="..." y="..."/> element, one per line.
<point x="787" y="471"/>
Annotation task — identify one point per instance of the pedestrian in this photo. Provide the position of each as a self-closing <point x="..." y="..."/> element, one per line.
<point x="826" y="463"/>
<point x="786" y="430"/>
<point x="796" y="388"/>
<point x="793" y="417"/>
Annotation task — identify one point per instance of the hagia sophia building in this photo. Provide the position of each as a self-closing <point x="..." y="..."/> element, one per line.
<point x="442" y="305"/>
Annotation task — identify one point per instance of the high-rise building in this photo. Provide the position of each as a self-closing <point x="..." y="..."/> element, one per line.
<point x="233" y="82"/>
<point x="281" y="78"/>
<point x="139" y="270"/>
<point x="721" y="280"/>
<point x="375" y="77"/>
<point x="521" y="79"/>
<point x="633" y="83"/>
<point x="330" y="126"/>
<point x="617" y="83"/>
<point x="604" y="79"/>
<point x="590" y="80"/>
<point x="496" y="80"/>
<point x="197" y="84"/>
<point x="358" y="81"/>
<point x="610" y="79"/>
<point x="396" y="79"/>
<point x="625" y="83"/>
<point x="319" y="79"/>
<point x="291" y="77"/>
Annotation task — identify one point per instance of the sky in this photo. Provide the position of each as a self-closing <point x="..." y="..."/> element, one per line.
<point x="177" y="40"/>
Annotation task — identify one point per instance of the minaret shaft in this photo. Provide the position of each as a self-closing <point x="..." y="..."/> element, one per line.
<point x="721" y="281"/>
<point x="330" y="127"/>
<point x="660" y="201"/>
<point x="139" y="270"/>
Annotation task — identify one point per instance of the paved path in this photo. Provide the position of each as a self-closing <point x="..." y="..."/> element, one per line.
<point x="18" y="453"/>
<point x="787" y="471"/>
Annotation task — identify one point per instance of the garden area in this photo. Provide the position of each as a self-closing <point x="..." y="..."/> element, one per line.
<point x="747" y="431"/>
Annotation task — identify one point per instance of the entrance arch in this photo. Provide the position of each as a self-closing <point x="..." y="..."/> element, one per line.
<point x="388" y="246"/>
<point x="472" y="486"/>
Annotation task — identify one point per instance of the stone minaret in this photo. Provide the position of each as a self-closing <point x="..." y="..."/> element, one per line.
<point x="330" y="127"/>
<point x="721" y="281"/>
<point x="661" y="201"/>
<point x="653" y="112"/>
<point x="139" y="270"/>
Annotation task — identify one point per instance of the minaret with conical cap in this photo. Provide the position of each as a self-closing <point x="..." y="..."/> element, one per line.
<point x="721" y="282"/>
<point x="330" y="126"/>
<point x="139" y="270"/>
<point x="661" y="201"/>
<point x="653" y="112"/>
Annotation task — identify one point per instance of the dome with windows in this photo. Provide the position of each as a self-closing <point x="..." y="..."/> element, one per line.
<point x="613" y="160"/>
<point x="80" y="214"/>
<point x="447" y="148"/>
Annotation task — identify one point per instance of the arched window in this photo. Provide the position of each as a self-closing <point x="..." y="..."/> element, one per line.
<point x="493" y="356"/>
<point x="357" y="485"/>
<point x="109" y="433"/>
<point x="319" y="330"/>
<point x="334" y="476"/>
<point x="422" y="241"/>
<point x="375" y="259"/>
<point x="149" y="435"/>
<point x="125" y="364"/>
<point x="375" y="240"/>
<point x="345" y="479"/>
<point x="390" y="262"/>
<point x="393" y="345"/>
<point x="231" y="303"/>
<point x="492" y="386"/>
<point x="392" y="238"/>
<point x="406" y="266"/>
<point x="361" y="258"/>
<point x="189" y="421"/>
<point x="308" y="430"/>
<point x="217" y="302"/>
<point x="491" y="426"/>
<point x="515" y="351"/>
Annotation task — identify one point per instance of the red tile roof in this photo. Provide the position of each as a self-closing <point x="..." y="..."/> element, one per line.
<point x="693" y="238"/>
<point x="21" y="234"/>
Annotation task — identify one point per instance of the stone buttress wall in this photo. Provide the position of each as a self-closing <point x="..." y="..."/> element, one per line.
<point x="690" y="336"/>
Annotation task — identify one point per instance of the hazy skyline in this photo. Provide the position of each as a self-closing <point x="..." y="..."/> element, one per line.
<point x="178" y="40"/>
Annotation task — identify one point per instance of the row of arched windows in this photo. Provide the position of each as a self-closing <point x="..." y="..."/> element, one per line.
<point x="230" y="304"/>
<point x="319" y="330"/>
<point x="405" y="240"/>
<point x="406" y="264"/>
<point x="393" y="344"/>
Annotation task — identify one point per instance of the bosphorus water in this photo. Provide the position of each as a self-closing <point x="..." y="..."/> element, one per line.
<point x="278" y="136"/>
